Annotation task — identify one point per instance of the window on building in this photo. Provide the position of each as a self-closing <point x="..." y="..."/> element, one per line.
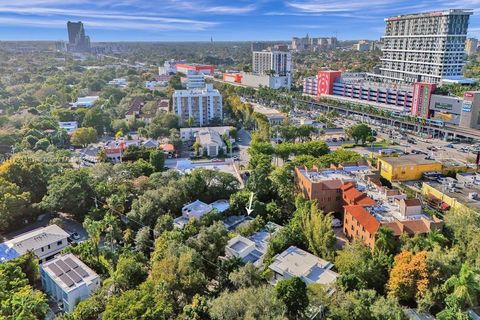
<point x="59" y="243"/>
<point x="48" y="246"/>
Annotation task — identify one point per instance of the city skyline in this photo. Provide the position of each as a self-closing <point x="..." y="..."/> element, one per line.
<point x="173" y="20"/>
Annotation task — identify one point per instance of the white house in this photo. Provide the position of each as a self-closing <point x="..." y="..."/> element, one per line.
<point x="68" y="280"/>
<point x="253" y="248"/>
<point x="118" y="82"/>
<point x="70" y="126"/>
<point x="43" y="242"/>
<point x="191" y="133"/>
<point x="85" y="102"/>
<point x="211" y="143"/>
<point x="197" y="209"/>
<point x="295" y="262"/>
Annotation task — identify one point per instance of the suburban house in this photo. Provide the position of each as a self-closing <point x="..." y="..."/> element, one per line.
<point x="187" y="134"/>
<point x="295" y="262"/>
<point x="197" y="209"/>
<point x="85" y="102"/>
<point x="135" y="109"/>
<point x="211" y="143"/>
<point x="69" y="126"/>
<point x="68" y="280"/>
<point x="43" y="242"/>
<point x="252" y="249"/>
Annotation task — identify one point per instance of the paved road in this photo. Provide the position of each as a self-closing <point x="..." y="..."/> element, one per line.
<point x="243" y="141"/>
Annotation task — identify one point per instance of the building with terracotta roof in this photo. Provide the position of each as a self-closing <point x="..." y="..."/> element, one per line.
<point x="401" y="216"/>
<point x="325" y="186"/>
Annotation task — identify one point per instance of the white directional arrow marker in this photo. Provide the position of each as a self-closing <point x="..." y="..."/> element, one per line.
<point x="249" y="208"/>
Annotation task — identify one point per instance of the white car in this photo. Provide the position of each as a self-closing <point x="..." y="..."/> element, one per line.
<point x="336" y="223"/>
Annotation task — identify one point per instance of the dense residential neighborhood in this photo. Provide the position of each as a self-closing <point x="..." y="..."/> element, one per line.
<point x="317" y="178"/>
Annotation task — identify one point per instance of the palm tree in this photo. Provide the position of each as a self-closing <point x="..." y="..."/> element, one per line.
<point x="435" y="237"/>
<point x="385" y="240"/>
<point x="466" y="285"/>
<point x="196" y="147"/>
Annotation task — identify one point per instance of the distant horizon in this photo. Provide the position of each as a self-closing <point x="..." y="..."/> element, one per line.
<point x="199" y="20"/>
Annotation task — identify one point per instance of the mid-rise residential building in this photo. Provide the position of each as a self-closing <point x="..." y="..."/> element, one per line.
<point x="195" y="81"/>
<point x="68" y="280"/>
<point x="326" y="185"/>
<point x="404" y="216"/>
<point x="313" y="44"/>
<point x="362" y="45"/>
<point x="425" y="47"/>
<point x="407" y="168"/>
<point x="201" y="105"/>
<point x="310" y="86"/>
<point x="43" y="242"/>
<point x="268" y="62"/>
<point x="295" y="262"/>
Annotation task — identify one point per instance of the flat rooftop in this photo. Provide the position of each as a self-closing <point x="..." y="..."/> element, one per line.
<point x="267" y="111"/>
<point x="350" y="174"/>
<point x="415" y="159"/>
<point x="460" y="192"/>
<point x="297" y="262"/>
<point x="69" y="272"/>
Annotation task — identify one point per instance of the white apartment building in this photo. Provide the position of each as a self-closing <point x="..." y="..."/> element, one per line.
<point x="278" y="61"/>
<point x="68" y="280"/>
<point x="43" y="242"/>
<point x="195" y="81"/>
<point x="202" y="105"/>
<point x="425" y="47"/>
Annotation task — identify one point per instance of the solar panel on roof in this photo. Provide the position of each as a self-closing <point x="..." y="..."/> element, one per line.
<point x="66" y="279"/>
<point x="72" y="264"/>
<point x="62" y="265"/>
<point x="75" y="277"/>
<point x="81" y="272"/>
<point x="56" y="270"/>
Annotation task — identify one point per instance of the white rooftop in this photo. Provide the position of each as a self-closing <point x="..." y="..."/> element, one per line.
<point x="69" y="272"/>
<point x="295" y="262"/>
<point x="37" y="239"/>
<point x="196" y="209"/>
<point x="325" y="175"/>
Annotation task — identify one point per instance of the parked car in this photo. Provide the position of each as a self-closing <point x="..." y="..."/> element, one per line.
<point x="75" y="236"/>
<point x="336" y="223"/>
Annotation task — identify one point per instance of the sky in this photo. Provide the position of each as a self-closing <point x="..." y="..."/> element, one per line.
<point x="222" y="20"/>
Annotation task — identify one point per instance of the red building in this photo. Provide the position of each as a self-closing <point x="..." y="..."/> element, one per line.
<point x="325" y="81"/>
<point x="195" y="68"/>
<point x="422" y="92"/>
